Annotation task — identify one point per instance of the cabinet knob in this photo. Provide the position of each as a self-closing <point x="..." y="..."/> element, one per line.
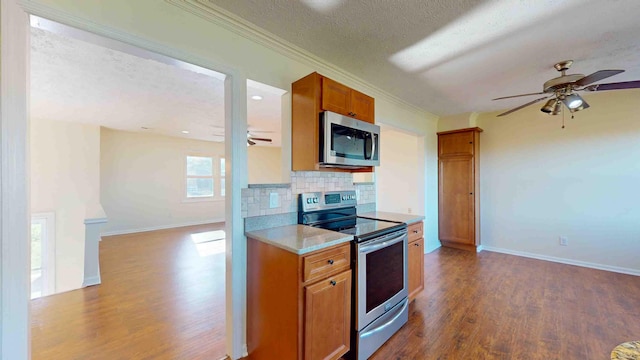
<point x="416" y="244"/>
<point x="470" y="193"/>
<point x="415" y="231"/>
<point x="332" y="282"/>
<point x="330" y="261"/>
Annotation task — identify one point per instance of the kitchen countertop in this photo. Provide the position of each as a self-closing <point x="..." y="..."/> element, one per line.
<point x="389" y="216"/>
<point x="299" y="239"/>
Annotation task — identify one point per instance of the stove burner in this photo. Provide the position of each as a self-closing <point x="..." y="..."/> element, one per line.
<point x="341" y="216"/>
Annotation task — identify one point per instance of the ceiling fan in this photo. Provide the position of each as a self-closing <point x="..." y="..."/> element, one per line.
<point x="251" y="140"/>
<point x="562" y="90"/>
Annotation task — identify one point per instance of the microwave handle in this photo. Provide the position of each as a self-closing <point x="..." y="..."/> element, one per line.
<point x="373" y="145"/>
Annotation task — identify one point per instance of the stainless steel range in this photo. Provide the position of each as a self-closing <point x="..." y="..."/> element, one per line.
<point x="380" y="266"/>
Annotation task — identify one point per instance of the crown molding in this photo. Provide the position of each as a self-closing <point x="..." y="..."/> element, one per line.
<point x="239" y="26"/>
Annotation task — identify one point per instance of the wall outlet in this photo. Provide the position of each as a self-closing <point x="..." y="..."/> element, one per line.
<point x="274" y="200"/>
<point x="564" y="241"/>
<point x="409" y="211"/>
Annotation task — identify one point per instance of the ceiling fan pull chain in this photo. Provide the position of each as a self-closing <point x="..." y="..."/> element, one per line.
<point x="563" y="117"/>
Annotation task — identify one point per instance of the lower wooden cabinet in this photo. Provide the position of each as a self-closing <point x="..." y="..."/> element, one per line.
<point x="327" y="317"/>
<point x="298" y="306"/>
<point x="415" y="258"/>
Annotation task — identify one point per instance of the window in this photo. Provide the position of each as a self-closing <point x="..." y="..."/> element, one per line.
<point x="204" y="177"/>
<point x="42" y="255"/>
<point x="222" y="174"/>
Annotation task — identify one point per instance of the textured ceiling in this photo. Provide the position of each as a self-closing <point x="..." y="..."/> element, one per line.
<point x="78" y="81"/>
<point x="454" y="56"/>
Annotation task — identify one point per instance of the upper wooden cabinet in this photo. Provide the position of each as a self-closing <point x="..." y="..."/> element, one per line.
<point x="312" y="95"/>
<point x="458" y="188"/>
<point x="346" y="101"/>
<point x="457" y="143"/>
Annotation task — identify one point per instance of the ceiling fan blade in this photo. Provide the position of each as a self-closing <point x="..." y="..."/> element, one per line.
<point x="514" y="96"/>
<point x="597" y="76"/>
<point x="614" y="86"/>
<point x="523" y="106"/>
<point x="260" y="139"/>
<point x="250" y="142"/>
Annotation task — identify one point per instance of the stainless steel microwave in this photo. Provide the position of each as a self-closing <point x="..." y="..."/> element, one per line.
<point x="347" y="142"/>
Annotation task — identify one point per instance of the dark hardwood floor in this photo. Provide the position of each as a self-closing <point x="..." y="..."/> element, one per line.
<point x="497" y="306"/>
<point x="159" y="299"/>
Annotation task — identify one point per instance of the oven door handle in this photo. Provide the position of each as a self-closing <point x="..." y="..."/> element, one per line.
<point x="381" y="243"/>
<point x="391" y="321"/>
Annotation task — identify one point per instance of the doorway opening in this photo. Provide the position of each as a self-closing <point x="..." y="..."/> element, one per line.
<point x="113" y="128"/>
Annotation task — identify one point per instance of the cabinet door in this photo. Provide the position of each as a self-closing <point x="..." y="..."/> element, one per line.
<point x="335" y="97"/>
<point x="416" y="268"/>
<point x="362" y="106"/>
<point x="456" y="144"/>
<point x="327" y="317"/>
<point x="456" y="215"/>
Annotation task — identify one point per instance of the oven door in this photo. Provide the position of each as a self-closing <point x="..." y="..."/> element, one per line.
<point x="381" y="279"/>
<point x="348" y="142"/>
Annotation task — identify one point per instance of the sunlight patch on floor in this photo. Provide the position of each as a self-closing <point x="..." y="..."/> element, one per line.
<point x="209" y="242"/>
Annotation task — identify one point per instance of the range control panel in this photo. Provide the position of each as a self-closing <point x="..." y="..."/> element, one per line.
<point x="326" y="200"/>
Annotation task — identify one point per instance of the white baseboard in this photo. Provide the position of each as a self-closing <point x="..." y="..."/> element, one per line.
<point x="160" y="227"/>
<point x="565" y="261"/>
<point x="94" y="280"/>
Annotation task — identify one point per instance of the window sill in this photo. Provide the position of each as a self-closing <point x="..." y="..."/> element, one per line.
<point x="203" y="199"/>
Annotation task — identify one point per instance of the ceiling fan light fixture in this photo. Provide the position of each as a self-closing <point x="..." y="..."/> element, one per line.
<point x="582" y="106"/>
<point x="557" y="109"/>
<point x="549" y="106"/>
<point x="573" y="101"/>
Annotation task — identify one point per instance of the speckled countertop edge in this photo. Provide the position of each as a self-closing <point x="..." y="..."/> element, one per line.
<point x="299" y="239"/>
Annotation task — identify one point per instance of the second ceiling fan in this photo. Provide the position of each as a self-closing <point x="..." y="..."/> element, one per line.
<point x="563" y="89"/>
<point x="251" y="140"/>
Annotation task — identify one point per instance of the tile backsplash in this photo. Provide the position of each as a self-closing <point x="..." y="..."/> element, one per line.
<point x="255" y="201"/>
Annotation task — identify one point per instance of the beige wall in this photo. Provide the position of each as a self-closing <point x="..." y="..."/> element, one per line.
<point x="264" y="164"/>
<point x="459" y="121"/>
<point x="65" y="179"/>
<point x="143" y="178"/>
<point x="398" y="176"/>
<point x="539" y="181"/>
<point x="424" y="126"/>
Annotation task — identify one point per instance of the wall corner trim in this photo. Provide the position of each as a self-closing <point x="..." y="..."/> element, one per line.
<point x="94" y="280"/>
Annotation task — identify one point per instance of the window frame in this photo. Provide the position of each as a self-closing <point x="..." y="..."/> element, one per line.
<point x="215" y="175"/>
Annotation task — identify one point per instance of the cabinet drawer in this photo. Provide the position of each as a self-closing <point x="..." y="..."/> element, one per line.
<point x="323" y="264"/>
<point x="415" y="231"/>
